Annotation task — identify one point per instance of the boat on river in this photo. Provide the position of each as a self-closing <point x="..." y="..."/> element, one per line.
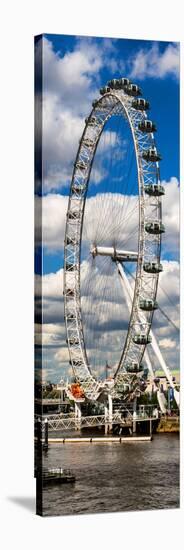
<point x="57" y="475"/>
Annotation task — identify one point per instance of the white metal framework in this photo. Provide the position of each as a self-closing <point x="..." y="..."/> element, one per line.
<point x="154" y="343"/>
<point x="118" y="98"/>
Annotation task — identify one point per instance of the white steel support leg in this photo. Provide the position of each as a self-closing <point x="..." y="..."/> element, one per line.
<point x="163" y="365"/>
<point x="78" y="415"/>
<point x="154" y="342"/>
<point x="110" y="402"/>
<point x="129" y="296"/>
<point x="106" y="419"/>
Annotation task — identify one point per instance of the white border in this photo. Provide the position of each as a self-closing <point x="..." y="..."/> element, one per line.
<point x="21" y="21"/>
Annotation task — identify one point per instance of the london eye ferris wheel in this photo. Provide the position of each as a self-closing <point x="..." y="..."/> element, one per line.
<point x="113" y="242"/>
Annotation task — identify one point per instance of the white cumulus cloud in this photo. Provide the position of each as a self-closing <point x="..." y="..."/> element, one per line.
<point x="155" y="63"/>
<point x="70" y="83"/>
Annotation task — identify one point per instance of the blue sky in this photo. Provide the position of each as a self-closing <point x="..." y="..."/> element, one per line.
<point x="74" y="68"/>
<point x="163" y="95"/>
<point x="163" y="92"/>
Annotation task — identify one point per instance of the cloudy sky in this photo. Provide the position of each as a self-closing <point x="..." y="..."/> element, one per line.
<point x="74" y="68"/>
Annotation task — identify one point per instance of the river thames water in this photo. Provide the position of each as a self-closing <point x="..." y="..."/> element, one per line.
<point x="115" y="477"/>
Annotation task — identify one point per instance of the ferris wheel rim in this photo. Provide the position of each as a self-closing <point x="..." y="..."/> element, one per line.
<point x="78" y="354"/>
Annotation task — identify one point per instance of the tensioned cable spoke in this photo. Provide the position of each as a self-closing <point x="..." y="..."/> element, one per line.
<point x="102" y="307"/>
<point x="109" y="298"/>
<point x="113" y="187"/>
<point x="110" y="217"/>
<point x="100" y="203"/>
<point x="168" y="318"/>
<point x="90" y="300"/>
<point x="167" y="296"/>
<point x="122" y="222"/>
<point x="106" y="223"/>
<point x="103" y="211"/>
<point x="120" y="201"/>
<point x="127" y="196"/>
<point x="130" y="236"/>
<point x="160" y="309"/>
<point x="101" y="311"/>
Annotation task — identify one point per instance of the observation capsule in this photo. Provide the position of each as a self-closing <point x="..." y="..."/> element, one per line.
<point x="141" y="339"/>
<point x="154" y="189"/>
<point x="147" y="304"/>
<point x="119" y="83"/>
<point x="140" y="104"/>
<point x="155" y="228"/>
<point x="134" y="368"/>
<point x="152" y="267"/>
<point x="133" y="90"/>
<point x="104" y="90"/>
<point x="94" y="102"/>
<point x="147" y="126"/>
<point x="151" y="155"/>
<point x="124" y="82"/>
<point x="114" y="83"/>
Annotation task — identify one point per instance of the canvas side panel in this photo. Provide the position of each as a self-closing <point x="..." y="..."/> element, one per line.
<point x="38" y="66"/>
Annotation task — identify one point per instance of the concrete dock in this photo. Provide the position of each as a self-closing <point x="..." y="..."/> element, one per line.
<point x="110" y="439"/>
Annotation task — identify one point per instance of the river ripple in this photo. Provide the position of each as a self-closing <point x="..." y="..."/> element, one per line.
<point x="115" y="477"/>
